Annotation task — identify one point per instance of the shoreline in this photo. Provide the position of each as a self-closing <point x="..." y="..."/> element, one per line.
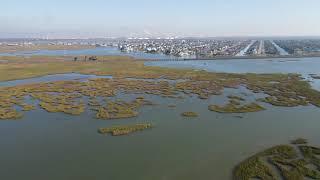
<point x="169" y="58"/>
<point x="51" y="74"/>
<point x="19" y="68"/>
<point x="235" y="57"/>
<point x="16" y="49"/>
<point x="9" y="52"/>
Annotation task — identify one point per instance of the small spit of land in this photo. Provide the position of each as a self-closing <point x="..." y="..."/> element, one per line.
<point x="17" y="48"/>
<point x="189" y="114"/>
<point x="124" y="130"/>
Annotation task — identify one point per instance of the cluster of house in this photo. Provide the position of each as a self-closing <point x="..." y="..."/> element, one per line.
<point x="185" y="47"/>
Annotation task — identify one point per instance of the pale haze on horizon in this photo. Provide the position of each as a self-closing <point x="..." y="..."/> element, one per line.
<point x="158" y="18"/>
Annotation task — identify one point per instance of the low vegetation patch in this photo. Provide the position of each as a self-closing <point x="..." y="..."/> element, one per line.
<point x="9" y="114"/>
<point x="132" y="77"/>
<point x="299" y="141"/>
<point x="124" y="130"/>
<point x="189" y="114"/>
<point x="292" y="161"/>
<point x="121" y="109"/>
<point x="238" y="98"/>
<point x="235" y="107"/>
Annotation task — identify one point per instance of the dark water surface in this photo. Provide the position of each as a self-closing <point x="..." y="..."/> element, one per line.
<point x="55" y="146"/>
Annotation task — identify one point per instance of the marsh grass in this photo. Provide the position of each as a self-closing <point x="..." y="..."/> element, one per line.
<point x="189" y="114"/>
<point x="8" y="113"/>
<point x="121" y="109"/>
<point x="285" y="159"/>
<point x="299" y="141"/>
<point x="125" y="129"/>
<point x="63" y="96"/>
<point x="235" y="107"/>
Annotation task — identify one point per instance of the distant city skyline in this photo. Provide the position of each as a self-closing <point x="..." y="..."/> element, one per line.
<point x="151" y="18"/>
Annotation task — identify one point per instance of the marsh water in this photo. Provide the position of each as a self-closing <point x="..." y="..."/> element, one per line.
<point x="304" y="66"/>
<point x="57" y="146"/>
<point x="99" y="51"/>
<point x="51" y="78"/>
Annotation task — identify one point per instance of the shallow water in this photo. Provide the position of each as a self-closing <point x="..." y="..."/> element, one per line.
<point x="303" y="66"/>
<point x="99" y="51"/>
<point x="57" y="146"/>
<point x="271" y="65"/>
<point x="51" y="78"/>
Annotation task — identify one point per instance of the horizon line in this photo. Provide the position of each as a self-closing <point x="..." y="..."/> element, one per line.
<point x="168" y="37"/>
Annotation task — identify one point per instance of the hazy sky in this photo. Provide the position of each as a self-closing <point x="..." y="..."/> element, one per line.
<point x="102" y="18"/>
